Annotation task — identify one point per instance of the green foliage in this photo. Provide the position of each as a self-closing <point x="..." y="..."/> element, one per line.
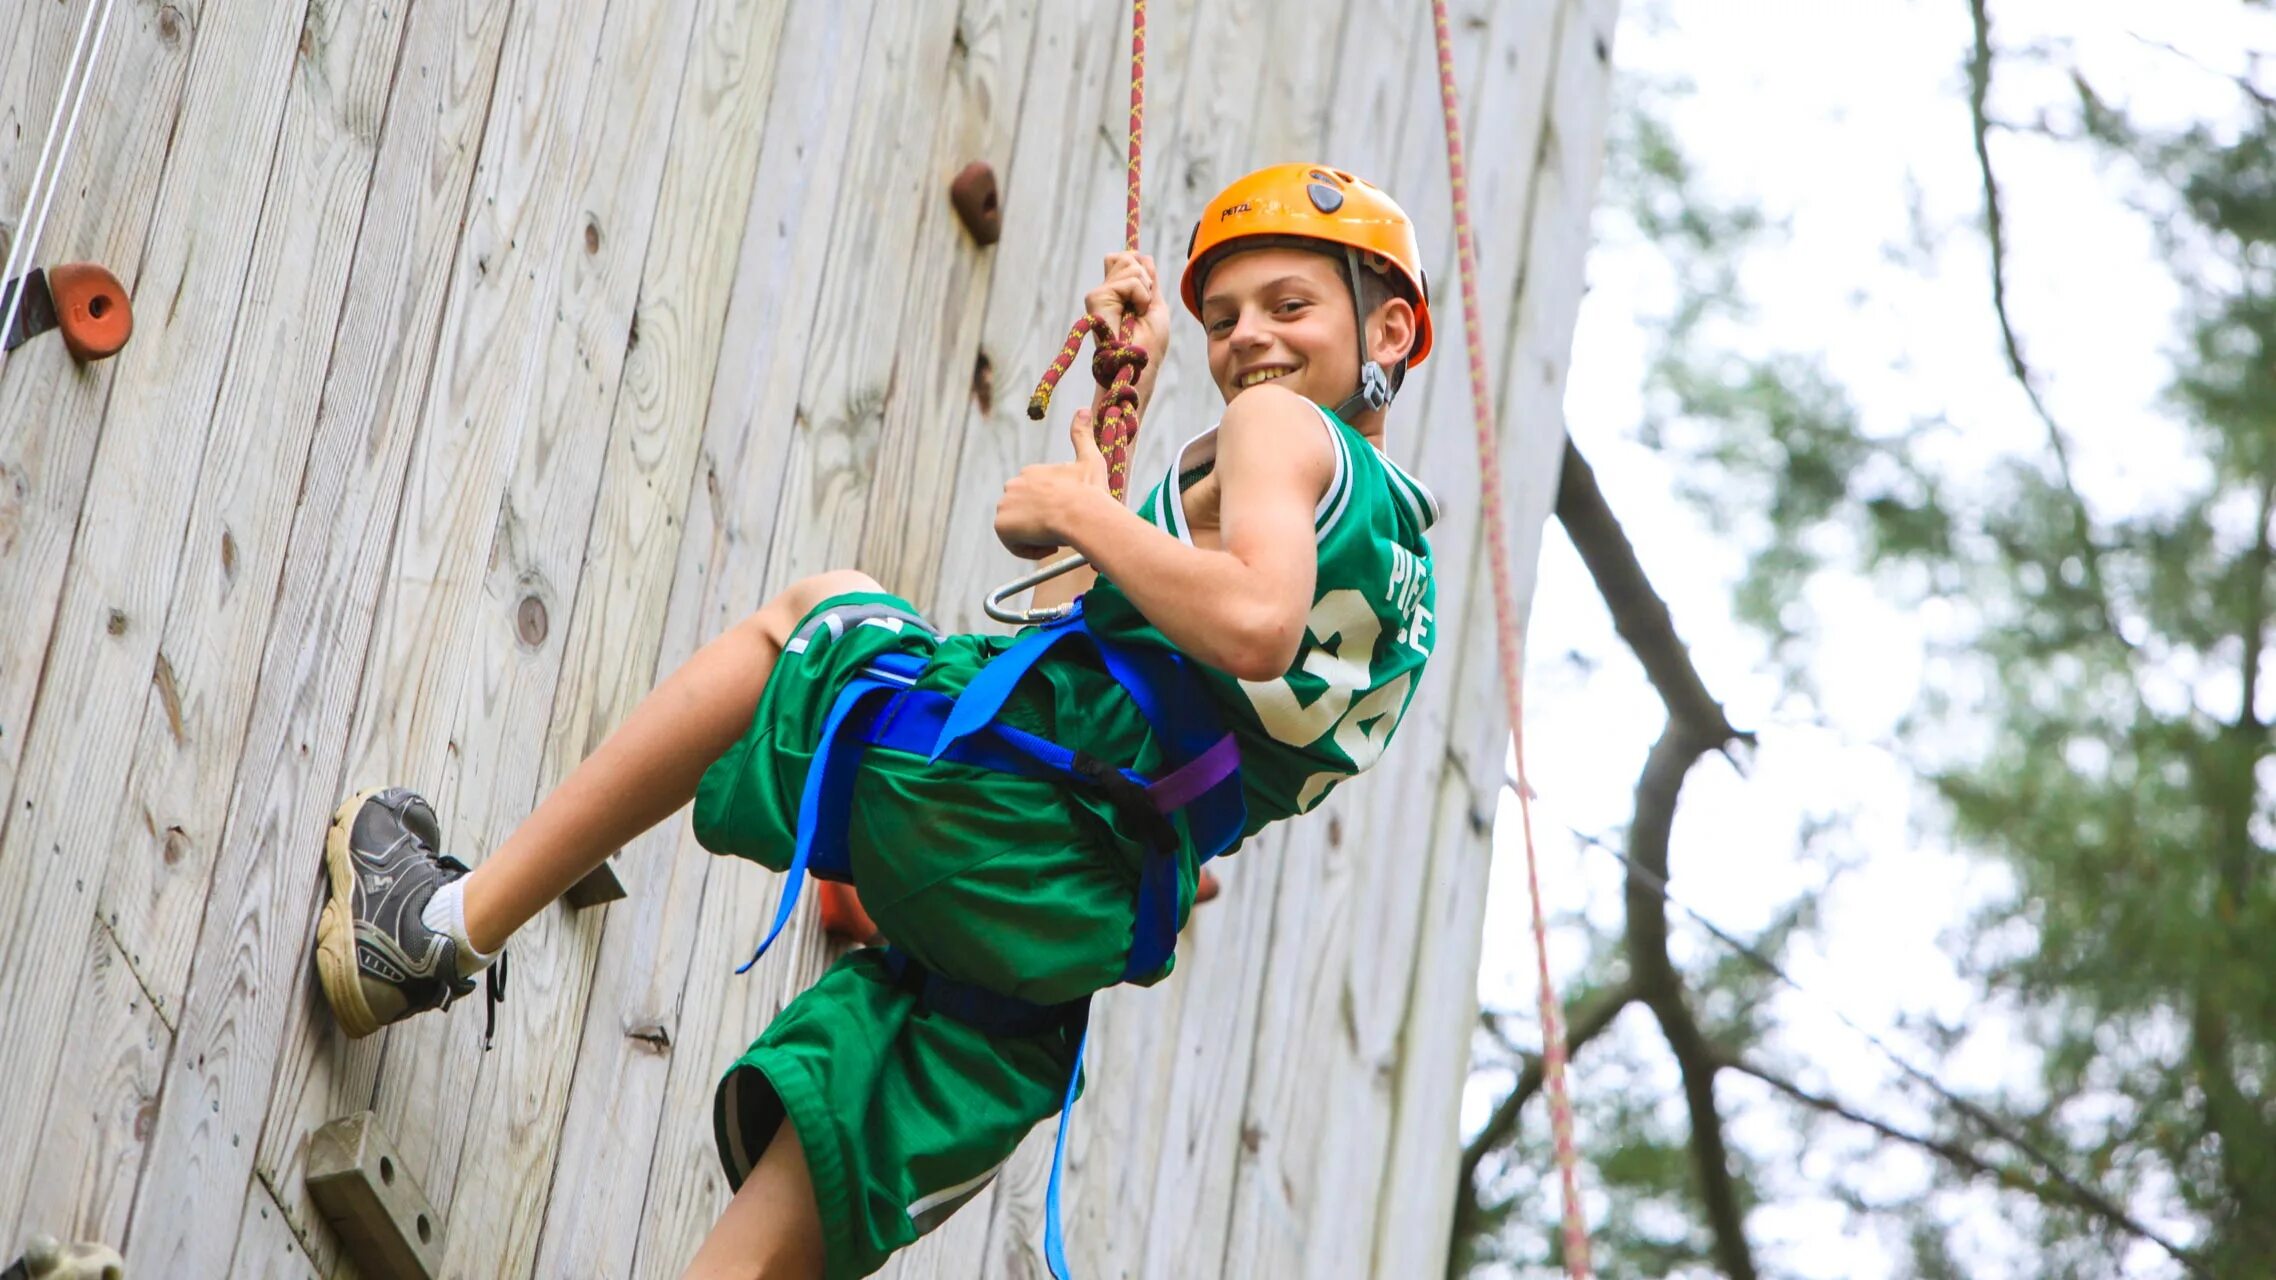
<point x="2097" y="725"/>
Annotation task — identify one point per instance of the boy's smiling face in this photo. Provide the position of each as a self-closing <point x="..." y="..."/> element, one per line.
<point x="1281" y="315"/>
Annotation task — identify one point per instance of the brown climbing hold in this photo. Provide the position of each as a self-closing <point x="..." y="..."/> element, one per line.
<point x="974" y="195"/>
<point x="83" y="300"/>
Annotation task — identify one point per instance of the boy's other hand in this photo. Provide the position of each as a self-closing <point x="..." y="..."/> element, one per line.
<point x="1032" y="516"/>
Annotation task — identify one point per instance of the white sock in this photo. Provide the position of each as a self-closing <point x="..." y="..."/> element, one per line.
<point x="446" y="914"/>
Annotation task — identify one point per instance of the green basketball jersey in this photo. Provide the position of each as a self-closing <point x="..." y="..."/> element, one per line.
<point x="1370" y="629"/>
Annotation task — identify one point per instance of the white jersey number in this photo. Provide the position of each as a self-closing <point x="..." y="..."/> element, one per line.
<point x="1346" y="630"/>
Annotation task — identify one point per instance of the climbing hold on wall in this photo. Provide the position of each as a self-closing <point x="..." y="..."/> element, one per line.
<point x="47" y="1258"/>
<point x="83" y="300"/>
<point x="362" y="1187"/>
<point x="974" y="195"/>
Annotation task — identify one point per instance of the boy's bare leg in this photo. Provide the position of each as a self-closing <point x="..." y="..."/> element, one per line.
<point x="643" y="772"/>
<point x="773" y="1227"/>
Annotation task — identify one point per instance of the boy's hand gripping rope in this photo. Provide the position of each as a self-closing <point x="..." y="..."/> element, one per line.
<point x="1510" y="644"/>
<point x="1118" y="360"/>
<point x="1116" y="364"/>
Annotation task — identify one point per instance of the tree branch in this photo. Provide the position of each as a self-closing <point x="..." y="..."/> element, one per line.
<point x="1663" y="991"/>
<point x="2066" y="1194"/>
<point x="1638" y="613"/>
<point x="1979" y="89"/>
<point x="1587" y="1024"/>
<point x="1696" y="725"/>
<point x="1950" y="1152"/>
<point x="2244" y="84"/>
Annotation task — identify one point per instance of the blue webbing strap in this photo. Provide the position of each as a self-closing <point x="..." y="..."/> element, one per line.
<point x="1170" y="698"/>
<point x="977" y="1006"/>
<point x="827" y="799"/>
<point x="879" y="708"/>
<point x="1054" y="1240"/>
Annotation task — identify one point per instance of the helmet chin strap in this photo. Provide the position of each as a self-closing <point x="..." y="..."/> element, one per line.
<point x="1374" y="390"/>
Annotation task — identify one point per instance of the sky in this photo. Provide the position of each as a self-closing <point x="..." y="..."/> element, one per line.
<point x="1848" y="124"/>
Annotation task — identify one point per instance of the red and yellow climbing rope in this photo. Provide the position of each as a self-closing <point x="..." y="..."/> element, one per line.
<point x="1118" y="360"/>
<point x="1509" y="642"/>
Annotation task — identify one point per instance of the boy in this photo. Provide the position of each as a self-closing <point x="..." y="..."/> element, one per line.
<point x="1039" y="836"/>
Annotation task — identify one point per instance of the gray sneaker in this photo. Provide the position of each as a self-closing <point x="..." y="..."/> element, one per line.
<point x="378" y="961"/>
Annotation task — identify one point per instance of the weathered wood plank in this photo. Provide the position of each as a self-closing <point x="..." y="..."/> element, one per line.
<point x="51" y="410"/>
<point x="478" y="1130"/>
<point x="268" y="872"/>
<point x="854" y="361"/>
<point x="267" y="1248"/>
<point x="709" y="206"/>
<point x="821" y="273"/>
<point x="1061" y="196"/>
<point x="90" y="1144"/>
<point x="720" y="1013"/>
<point x="947" y="295"/>
<point x="164" y="837"/>
<point x="105" y="662"/>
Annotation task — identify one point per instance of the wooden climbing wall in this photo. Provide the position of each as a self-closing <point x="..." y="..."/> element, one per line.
<point x="494" y="354"/>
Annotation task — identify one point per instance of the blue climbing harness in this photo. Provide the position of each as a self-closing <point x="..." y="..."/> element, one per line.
<point x="883" y="708"/>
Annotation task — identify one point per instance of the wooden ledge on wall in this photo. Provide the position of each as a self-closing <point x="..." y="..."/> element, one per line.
<point x="363" y="1188"/>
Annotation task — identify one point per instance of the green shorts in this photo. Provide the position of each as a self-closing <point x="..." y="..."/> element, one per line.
<point x="1017" y="885"/>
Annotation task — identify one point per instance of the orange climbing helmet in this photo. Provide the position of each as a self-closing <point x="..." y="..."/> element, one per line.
<point x="1312" y="202"/>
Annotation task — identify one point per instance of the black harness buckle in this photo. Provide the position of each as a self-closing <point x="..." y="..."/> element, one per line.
<point x="1130" y="801"/>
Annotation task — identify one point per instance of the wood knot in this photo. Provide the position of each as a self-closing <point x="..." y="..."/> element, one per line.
<point x="984" y="383"/>
<point x="592" y="235"/>
<point x="531" y="622"/>
<point x="170" y="25"/>
<point x="116" y="623"/>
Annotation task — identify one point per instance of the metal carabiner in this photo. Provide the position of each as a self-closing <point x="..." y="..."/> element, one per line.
<point x="1001" y="612"/>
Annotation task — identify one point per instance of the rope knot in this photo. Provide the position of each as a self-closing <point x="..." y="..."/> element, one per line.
<point x="1112" y="355"/>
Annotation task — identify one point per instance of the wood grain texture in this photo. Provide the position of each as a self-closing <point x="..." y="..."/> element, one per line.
<point x="51" y="409"/>
<point x="335" y="568"/>
<point x="479" y="1130"/>
<point x="106" y="664"/>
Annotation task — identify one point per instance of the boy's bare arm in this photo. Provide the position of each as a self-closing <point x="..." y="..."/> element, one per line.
<point x="1241" y="608"/>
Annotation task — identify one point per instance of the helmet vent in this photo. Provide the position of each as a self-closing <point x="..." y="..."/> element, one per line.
<point x="1325" y="198"/>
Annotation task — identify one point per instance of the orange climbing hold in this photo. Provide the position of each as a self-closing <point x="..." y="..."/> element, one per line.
<point x="843" y="916"/>
<point x="86" y="302"/>
<point x="92" y="309"/>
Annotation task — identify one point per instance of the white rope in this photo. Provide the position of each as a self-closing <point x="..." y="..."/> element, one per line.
<point x="24" y="251"/>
